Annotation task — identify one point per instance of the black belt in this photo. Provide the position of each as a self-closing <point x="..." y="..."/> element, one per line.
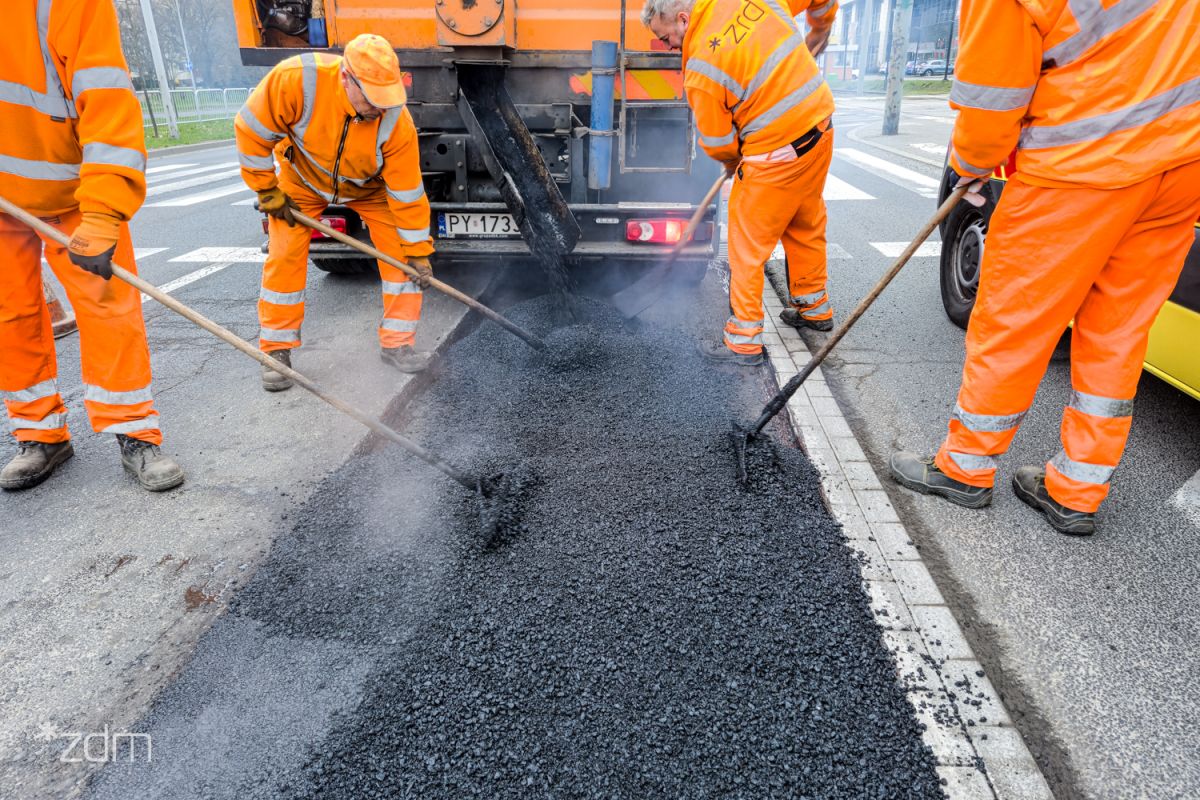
<point x="809" y="140"/>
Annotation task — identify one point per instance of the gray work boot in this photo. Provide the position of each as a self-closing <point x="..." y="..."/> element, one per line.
<point x="144" y="461"/>
<point x="404" y="358"/>
<point x="719" y="353"/>
<point x="922" y="475"/>
<point x="272" y="381"/>
<point x="33" y="463"/>
<point x="790" y="316"/>
<point x="1029" y="484"/>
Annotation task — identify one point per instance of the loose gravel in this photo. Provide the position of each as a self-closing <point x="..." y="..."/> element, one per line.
<point x="645" y="628"/>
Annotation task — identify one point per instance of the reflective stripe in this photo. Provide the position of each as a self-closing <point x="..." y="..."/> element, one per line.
<point x="247" y="118"/>
<point x="408" y="195"/>
<point x="1098" y="406"/>
<point x="971" y="462"/>
<point x="1095" y="23"/>
<point x="1036" y="137"/>
<point x="990" y="98"/>
<point x="149" y="423"/>
<point x="785" y="49"/>
<point x="783" y="106"/>
<point x="808" y="299"/>
<point x="281" y="298"/>
<point x="987" y="423"/>
<point x="743" y="324"/>
<point x="386" y="125"/>
<point x="814" y="313"/>
<point x="100" y="153"/>
<point x="737" y="338"/>
<point x="413" y="235"/>
<point x="257" y="162"/>
<point x="38" y="170"/>
<point x="402" y="325"/>
<point x="394" y="287"/>
<point x="717" y="75"/>
<point x="90" y="78"/>
<point x="99" y="395"/>
<point x="328" y="198"/>
<point x="309" y="88"/>
<point x="717" y="141"/>
<point x="970" y="168"/>
<point x="785" y="16"/>
<point x="34" y="393"/>
<point x="821" y="10"/>
<point x="1081" y="471"/>
<point x="54" y="102"/>
<point x="285" y="335"/>
<point x="48" y="423"/>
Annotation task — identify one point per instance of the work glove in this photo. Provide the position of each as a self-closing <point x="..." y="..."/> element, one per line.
<point x="974" y="194"/>
<point x="424" y="270"/>
<point x="94" y="242"/>
<point x="274" y="202"/>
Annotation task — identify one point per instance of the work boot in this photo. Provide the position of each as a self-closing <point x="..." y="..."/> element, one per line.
<point x="719" y="353"/>
<point x="1029" y="484"/>
<point x="922" y="475"/>
<point x="144" y="461"/>
<point x="790" y="316"/>
<point x="272" y="381"/>
<point x="33" y="463"/>
<point x="404" y="358"/>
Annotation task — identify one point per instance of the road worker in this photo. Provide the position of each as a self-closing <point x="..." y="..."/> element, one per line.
<point x="763" y="110"/>
<point x="72" y="153"/>
<point x="343" y="135"/>
<point x="1102" y="103"/>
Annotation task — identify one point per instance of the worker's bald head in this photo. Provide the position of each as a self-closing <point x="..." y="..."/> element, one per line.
<point x="668" y="20"/>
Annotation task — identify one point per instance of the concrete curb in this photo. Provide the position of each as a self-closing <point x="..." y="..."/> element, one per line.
<point x="980" y="755"/>
<point x="856" y="137"/>
<point x="179" y="149"/>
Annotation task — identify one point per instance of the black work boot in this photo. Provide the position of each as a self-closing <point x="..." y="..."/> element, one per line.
<point x="273" y="381"/>
<point x="1029" y="484"/>
<point x="717" y="352"/>
<point x="922" y="475"/>
<point x="33" y="463"/>
<point x="790" y="316"/>
<point x="144" y="461"/>
<point x="404" y="358"/>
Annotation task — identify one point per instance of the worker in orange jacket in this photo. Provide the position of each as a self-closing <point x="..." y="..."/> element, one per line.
<point x="764" y="111"/>
<point x="72" y="153"/>
<point x="342" y="134"/>
<point x="1102" y="103"/>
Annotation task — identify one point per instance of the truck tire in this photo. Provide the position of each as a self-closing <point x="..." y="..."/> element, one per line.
<point x="346" y="266"/>
<point x="962" y="254"/>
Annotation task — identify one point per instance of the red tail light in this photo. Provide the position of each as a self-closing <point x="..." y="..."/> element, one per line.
<point x="656" y="231"/>
<point x="337" y="223"/>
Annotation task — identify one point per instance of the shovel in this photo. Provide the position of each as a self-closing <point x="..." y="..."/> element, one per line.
<point x="493" y="492"/>
<point x="444" y="288"/>
<point x="634" y="299"/>
<point x="743" y="436"/>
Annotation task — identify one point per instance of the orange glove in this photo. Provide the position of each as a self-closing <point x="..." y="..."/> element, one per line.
<point x="94" y="242"/>
<point x="274" y="202"/>
<point x="424" y="270"/>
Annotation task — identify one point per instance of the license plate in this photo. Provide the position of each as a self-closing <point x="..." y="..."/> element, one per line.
<point x="477" y="226"/>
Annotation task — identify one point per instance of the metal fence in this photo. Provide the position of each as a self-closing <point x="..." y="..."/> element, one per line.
<point x="192" y="105"/>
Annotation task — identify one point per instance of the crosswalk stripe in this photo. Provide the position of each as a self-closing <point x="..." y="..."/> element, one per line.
<point x="202" y="197"/>
<point x="249" y="201"/>
<point x="190" y="183"/>
<point x="894" y="249"/>
<point x="838" y="189"/>
<point x="832" y="250"/>
<point x="197" y="171"/>
<point x="145" y="252"/>
<point x="238" y="255"/>
<point x="166" y="168"/>
<point x="893" y="173"/>
<point x="191" y="277"/>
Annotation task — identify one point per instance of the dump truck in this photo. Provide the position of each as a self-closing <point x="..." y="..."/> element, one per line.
<point x="546" y="129"/>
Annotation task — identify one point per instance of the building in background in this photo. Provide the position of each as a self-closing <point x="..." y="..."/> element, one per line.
<point x="932" y="35"/>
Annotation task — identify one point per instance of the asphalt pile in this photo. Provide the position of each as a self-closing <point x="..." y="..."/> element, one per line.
<point x="646" y="628"/>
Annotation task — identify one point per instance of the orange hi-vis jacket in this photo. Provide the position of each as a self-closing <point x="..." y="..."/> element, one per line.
<point x="750" y="80"/>
<point x="64" y="80"/>
<point x="301" y="113"/>
<point x="1091" y="92"/>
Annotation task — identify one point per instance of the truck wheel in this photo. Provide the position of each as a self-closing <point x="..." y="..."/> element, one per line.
<point x="962" y="254"/>
<point x="346" y="266"/>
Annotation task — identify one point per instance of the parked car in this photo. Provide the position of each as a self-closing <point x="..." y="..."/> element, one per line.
<point x="936" y="66"/>
<point x="912" y="67"/>
<point x="1172" y="354"/>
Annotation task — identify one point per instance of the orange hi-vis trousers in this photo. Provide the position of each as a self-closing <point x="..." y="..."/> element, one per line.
<point x="1109" y="259"/>
<point x="112" y="340"/>
<point x="281" y="300"/>
<point x="772" y="201"/>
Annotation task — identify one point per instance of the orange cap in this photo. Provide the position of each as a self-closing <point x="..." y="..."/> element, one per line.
<point x="374" y="65"/>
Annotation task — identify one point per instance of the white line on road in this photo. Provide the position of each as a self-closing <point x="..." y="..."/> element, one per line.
<point x="190" y="183"/>
<point x="838" y="189"/>
<point x="237" y="255"/>
<point x="249" y="201"/>
<point x="894" y="249"/>
<point x="197" y="171"/>
<point x="893" y="173"/>
<point x="929" y="147"/>
<point x="832" y="250"/>
<point x="145" y="252"/>
<point x="166" y="168"/>
<point x="202" y="197"/>
<point x="191" y="277"/>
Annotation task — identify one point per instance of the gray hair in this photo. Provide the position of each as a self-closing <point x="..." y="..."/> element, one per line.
<point x="664" y="8"/>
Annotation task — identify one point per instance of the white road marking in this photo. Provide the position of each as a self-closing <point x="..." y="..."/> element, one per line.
<point x="1187" y="499"/>
<point x="929" y="147"/>
<point x="894" y="249"/>
<point x="832" y="250"/>
<point x="249" y="201"/>
<point x="197" y="171"/>
<point x="236" y="255"/>
<point x="166" y="168"/>
<point x="202" y="197"/>
<point x="145" y="252"/>
<point x="893" y="173"/>
<point x="191" y="277"/>
<point x="191" y="183"/>
<point x="838" y="189"/>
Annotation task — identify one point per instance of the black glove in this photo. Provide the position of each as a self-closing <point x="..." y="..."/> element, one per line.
<point x="97" y="265"/>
